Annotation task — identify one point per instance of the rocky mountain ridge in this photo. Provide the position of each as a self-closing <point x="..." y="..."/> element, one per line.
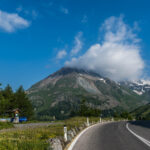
<point x="140" y="87"/>
<point x="61" y="93"/>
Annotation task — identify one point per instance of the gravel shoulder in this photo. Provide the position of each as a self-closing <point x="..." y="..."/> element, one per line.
<point x="29" y="125"/>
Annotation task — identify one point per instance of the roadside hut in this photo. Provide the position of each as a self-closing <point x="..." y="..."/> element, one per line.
<point x="16" y="115"/>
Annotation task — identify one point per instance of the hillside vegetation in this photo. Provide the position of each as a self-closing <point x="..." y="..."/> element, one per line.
<point x="142" y="113"/>
<point x="10" y="100"/>
<point x="61" y="93"/>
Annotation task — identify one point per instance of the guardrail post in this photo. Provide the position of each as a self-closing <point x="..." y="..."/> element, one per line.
<point x="65" y="133"/>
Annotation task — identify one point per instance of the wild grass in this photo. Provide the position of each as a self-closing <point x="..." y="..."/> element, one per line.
<point x="5" y="125"/>
<point x="29" y="139"/>
<point x="36" y="138"/>
<point x="79" y="121"/>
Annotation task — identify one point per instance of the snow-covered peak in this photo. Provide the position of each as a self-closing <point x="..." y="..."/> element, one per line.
<point x="139" y="87"/>
<point x="146" y="82"/>
<point x="142" y="82"/>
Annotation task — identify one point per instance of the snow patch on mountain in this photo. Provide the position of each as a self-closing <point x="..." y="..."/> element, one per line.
<point x="103" y="80"/>
<point x="137" y="92"/>
<point x="139" y="87"/>
<point x="142" y="82"/>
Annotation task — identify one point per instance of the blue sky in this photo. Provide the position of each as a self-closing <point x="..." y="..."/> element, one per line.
<point x="37" y="37"/>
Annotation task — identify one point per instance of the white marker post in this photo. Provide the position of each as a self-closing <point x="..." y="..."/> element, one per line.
<point x="100" y="120"/>
<point x="88" y="124"/>
<point x="65" y="133"/>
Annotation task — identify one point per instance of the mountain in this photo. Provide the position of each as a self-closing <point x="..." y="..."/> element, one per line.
<point x="140" y="87"/>
<point x="62" y="92"/>
<point x="142" y="112"/>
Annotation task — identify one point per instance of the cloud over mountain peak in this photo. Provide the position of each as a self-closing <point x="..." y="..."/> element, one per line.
<point x="117" y="56"/>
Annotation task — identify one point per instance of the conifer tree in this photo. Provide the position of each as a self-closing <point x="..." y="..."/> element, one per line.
<point x="22" y="102"/>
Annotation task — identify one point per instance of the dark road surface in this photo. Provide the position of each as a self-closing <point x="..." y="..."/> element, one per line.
<point x="114" y="136"/>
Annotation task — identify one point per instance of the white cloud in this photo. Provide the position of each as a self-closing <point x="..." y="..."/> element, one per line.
<point x="117" y="31"/>
<point x="64" y="10"/>
<point x="118" y="55"/>
<point x="77" y="44"/>
<point x="61" y="54"/>
<point x="10" y="22"/>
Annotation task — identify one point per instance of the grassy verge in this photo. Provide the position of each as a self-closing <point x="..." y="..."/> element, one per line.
<point x="78" y="121"/>
<point x="5" y="125"/>
<point x="36" y="138"/>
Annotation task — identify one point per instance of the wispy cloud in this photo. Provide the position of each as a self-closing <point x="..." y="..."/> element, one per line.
<point x="118" y="56"/>
<point x="26" y="11"/>
<point x="84" y="19"/>
<point x="64" y="10"/>
<point x="19" y="9"/>
<point x="10" y="22"/>
<point x="61" y="54"/>
<point x="77" y="44"/>
<point x="34" y="14"/>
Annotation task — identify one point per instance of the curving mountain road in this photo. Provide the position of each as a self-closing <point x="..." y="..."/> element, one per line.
<point x="115" y="136"/>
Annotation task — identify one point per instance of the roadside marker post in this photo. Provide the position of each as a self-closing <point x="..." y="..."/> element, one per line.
<point x="88" y="122"/>
<point x="100" y="120"/>
<point x="65" y="133"/>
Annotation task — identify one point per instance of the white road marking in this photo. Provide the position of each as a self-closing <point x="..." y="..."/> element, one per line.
<point x="78" y="136"/>
<point x="139" y="137"/>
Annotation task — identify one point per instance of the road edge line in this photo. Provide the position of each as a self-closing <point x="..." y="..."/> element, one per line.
<point x="139" y="137"/>
<point x="79" y="135"/>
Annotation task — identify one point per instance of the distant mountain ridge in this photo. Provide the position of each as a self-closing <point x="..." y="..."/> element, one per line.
<point x="61" y="93"/>
<point x="140" y="87"/>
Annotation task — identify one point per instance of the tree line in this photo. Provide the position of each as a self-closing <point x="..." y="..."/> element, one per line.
<point x="85" y="110"/>
<point x="10" y="100"/>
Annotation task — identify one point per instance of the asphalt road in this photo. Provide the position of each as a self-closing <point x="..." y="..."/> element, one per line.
<point x="114" y="136"/>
